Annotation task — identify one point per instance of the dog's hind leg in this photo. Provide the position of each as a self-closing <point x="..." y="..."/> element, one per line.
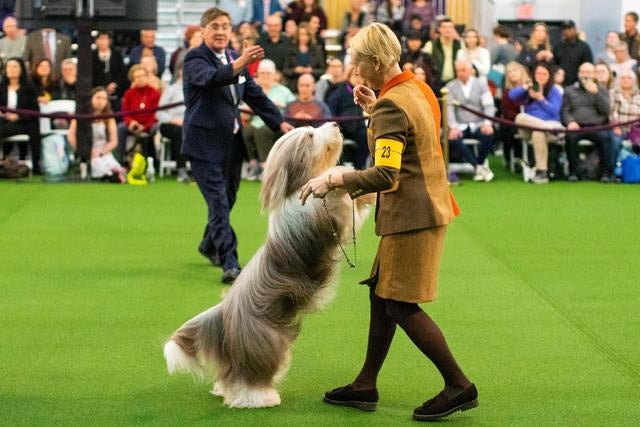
<point x="284" y="367"/>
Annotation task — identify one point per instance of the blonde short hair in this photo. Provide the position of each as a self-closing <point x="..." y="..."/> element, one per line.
<point x="376" y="41"/>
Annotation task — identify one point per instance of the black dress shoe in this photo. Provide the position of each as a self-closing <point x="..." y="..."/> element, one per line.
<point x="229" y="276"/>
<point x="441" y="406"/>
<point x="366" y="400"/>
<point x="214" y="258"/>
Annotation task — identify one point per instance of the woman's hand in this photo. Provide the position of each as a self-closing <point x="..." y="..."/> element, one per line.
<point x="617" y="131"/>
<point x="320" y="186"/>
<point x="364" y="97"/>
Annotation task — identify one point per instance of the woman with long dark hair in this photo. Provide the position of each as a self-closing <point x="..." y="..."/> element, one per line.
<point x="16" y="92"/>
<point x="305" y="56"/>
<point x="543" y="102"/>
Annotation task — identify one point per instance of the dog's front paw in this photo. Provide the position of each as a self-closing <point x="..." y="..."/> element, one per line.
<point x="218" y="389"/>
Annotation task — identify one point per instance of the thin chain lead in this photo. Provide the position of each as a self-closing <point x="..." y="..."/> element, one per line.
<point x="353" y="233"/>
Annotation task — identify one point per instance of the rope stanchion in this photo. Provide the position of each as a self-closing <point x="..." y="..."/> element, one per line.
<point x="78" y="116"/>
<point x="510" y="123"/>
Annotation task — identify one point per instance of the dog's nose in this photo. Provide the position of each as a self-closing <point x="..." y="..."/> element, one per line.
<point x="334" y="124"/>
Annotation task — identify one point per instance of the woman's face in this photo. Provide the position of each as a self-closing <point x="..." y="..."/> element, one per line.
<point x="420" y="74"/>
<point x="626" y="81"/>
<point x="471" y="39"/>
<point x="514" y="74"/>
<point x="43" y="69"/>
<point x="603" y="74"/>
<point x="620" y="54"/>
<point x="103" y="42"/>
<point x="542" y="76"/>
<point x="139" y="79"/>
<point x="539" y="34"/>
<point x="367" y="72"/>
<point x="558" y="77"/>
<point x="13" y="70"/>
<point x="303" y="36"/>
<point x="99" y="100"/>
<point x="612" y="38"/>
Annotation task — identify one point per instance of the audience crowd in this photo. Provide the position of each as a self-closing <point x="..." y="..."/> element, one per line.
<point x="307" y="73"/>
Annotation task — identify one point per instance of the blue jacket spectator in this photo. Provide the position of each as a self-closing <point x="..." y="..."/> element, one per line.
<point x="148" y="46"/>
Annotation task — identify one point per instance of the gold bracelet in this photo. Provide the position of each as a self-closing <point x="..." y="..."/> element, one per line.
<point x="327" y="181"/>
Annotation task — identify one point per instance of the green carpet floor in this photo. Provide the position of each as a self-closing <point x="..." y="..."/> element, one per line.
<point x="539" y="299"/>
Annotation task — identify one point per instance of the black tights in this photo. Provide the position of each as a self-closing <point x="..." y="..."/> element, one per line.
<point x="420" y="328"/>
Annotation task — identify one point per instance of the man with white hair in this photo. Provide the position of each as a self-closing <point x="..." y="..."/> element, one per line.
<point x="258" y="137"/>
<point x="472" y="92"/>
<point x="13" y="43"/>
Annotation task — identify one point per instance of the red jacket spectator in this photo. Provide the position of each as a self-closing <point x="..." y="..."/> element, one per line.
<point x="138" y="98"/>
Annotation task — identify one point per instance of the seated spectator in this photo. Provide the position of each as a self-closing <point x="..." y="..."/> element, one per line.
<point x="147" y="47"/>
<point x="625" y="106"/>
<point x="355" y="17"/>
<point x="66" y="86"/>
<point x="275" y="44"/>
<point x="571" y="52"/>
<point x="13" y="43"/>
<point x="305" y="56"/>
<point x="43" y="80"/>
<point x="416" y="25"/>
<point x="502" y="51"/>
<point x="330" y="80"/>
<point x="473" y="92"/>
<point x="247" y="41"/>
<point x="479" y="57"/>
<point x="622" y="60"/>
<point x="171" y="123"/>
<point x="631" y="35"/>
<point x="543" y="103"/>
<point x="412" y="57"/>
<point x="108" y="69"/>
<point x="608" y="54"/>
<point x="290" y="29"/>
<point x="420" y="74"/>
<point x="138" y="97"/>
<point x="389" y="12"/>
<point x="104" y="135"/>
<point x="422" y="8"/>
<point x="192" y="38"/>
<point x="316" y="34"/>
<point x="258" y="137"/>
<point x="586" y="103"/>
<point x="264" y="8"/>
<point x="151" y="67"/>
<point x="47" y="43"/>
<point x="306" y="107"/>
<point x="17" y="93"/>
<point x="444" y="50"/>
<point x="302" y="11"/>
<point x="515" y="75"/>
<point x="604" y="76"/>
<point x="341" y="104"/>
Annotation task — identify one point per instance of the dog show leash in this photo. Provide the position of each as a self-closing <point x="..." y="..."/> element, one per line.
<point x="353" y="233"/>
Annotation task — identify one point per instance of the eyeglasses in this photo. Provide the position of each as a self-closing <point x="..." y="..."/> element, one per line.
<point x="216" y="27"/>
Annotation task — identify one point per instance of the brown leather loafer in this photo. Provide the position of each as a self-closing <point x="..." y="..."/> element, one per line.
<point x="365" y="400"/>
<point x="441" y="406"/>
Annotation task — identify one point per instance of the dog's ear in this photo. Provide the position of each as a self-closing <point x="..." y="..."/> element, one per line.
<point x="288" y="167"/>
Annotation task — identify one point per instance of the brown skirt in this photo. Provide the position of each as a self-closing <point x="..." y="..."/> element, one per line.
<point x="406" y="265"/>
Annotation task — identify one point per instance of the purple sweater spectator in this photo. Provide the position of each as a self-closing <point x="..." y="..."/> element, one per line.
<point x="546" y="109"/>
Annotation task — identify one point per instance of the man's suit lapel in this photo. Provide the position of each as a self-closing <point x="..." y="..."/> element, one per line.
<point x="218" y="64"/>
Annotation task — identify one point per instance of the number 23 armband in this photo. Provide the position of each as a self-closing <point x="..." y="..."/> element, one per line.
<point x="388" y="153"/>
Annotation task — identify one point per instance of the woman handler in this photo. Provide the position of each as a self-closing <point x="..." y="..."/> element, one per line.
<point x="414" y="208"/>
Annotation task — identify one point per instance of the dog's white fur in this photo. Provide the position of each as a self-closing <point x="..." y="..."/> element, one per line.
<point x="246" y="339"/>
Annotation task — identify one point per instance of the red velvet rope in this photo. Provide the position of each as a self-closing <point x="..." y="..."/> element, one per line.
<point x="506" y="122"/>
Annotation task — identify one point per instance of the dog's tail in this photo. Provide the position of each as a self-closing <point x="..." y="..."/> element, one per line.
<point x="195" y="347"/>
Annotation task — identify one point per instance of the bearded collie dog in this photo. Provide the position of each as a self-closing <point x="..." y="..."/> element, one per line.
<point x="244" y="342"/>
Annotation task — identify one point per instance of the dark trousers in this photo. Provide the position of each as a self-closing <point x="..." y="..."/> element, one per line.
<point x="218" y="180"/>
<point x="174" y="133"/>
<point x="602" y="143"/>
<point x="459" y="149"/>
<point x="359" y="135"/>
<point x="148" y="148"/>
<point x="30" y="128"/>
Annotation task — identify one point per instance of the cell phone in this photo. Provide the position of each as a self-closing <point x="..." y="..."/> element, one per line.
<point x="535" y="86"/>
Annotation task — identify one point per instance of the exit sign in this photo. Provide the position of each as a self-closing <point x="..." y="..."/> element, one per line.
<point x="524" y="11"/>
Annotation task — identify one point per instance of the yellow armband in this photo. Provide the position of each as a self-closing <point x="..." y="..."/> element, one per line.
<point x="388" y="153"/>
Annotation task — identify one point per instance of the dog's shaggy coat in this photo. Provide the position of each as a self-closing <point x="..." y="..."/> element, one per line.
<point x="245" y="341"/>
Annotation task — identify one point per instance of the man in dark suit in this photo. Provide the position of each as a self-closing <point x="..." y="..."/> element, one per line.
<point x="50" y="44"/>
<point x="214" y="83"/>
